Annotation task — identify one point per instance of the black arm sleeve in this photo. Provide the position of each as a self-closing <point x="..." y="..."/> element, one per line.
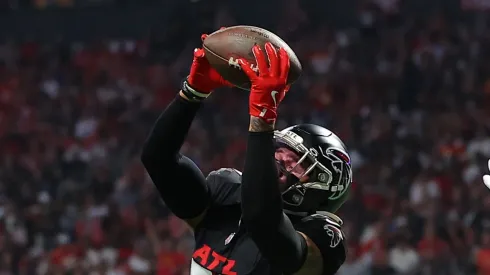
<point x="263" y="216"/>
<point x="179" y="181"/>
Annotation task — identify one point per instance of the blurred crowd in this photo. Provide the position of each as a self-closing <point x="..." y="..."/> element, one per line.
<point x="409" y="97"/>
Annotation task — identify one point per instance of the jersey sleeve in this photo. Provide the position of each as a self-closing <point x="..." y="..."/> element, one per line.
<point x="224" y="186"/>
<point x="327" y="234"/>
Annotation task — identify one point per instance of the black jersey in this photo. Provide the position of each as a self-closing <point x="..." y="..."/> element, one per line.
<point x="223" y="247"/>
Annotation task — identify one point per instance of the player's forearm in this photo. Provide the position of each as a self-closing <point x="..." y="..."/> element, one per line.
<point x="262" y="213"/>
<point x="261" y="197"/>
<point x="179" y="181"/>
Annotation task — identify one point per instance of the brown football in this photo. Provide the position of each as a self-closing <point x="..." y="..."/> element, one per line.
<point x="223" y="47"/>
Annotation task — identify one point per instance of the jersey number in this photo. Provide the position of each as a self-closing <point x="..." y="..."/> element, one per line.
<point x="202" y="256"/>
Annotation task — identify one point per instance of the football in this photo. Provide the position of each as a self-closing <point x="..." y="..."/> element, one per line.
<point x="224" y="47"/>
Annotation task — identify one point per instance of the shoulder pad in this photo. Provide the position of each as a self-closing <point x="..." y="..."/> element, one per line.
<point x="331" y="225"/>
<point x="229" y="174"/>
<point x="224" y="186"/>
<point x="332" y="216"/>
<point x="324" y="230"/>
<point x="324" y="216"/>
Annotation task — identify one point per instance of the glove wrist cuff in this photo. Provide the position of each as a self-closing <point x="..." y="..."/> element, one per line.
<point x="191" y="93"/>
<point x="263" y="112"/>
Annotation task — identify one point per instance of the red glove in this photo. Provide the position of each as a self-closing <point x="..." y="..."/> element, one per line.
<point x="203" y="78"/>
<point x="270" y="85"/>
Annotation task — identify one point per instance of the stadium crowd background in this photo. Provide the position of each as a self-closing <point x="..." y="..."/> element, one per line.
<point x="410" y="97"/>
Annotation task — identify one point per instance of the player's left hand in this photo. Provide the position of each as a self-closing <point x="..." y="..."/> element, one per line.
<point x="202" y="76"/>
<point x="486" y="178"/>
<point x="269" y="85"/>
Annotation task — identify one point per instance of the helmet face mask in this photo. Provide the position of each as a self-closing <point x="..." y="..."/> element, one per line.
<point x="327" y="173"/>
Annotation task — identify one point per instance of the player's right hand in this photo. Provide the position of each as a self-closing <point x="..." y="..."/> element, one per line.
<point x="269" y="85"/>
<point x="203" y="77"/>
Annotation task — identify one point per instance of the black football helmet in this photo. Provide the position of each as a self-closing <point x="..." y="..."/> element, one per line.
<point x="328" y="169"/>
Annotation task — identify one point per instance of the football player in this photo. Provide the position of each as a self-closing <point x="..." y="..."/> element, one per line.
<point x="277" y="217"/>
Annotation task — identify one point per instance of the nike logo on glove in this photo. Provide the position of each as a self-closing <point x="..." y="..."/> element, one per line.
<point x="273" y="94"/>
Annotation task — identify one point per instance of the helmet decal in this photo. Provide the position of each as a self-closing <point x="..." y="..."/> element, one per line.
<point x="338" y="164"/>
<point x="334" y="233"/>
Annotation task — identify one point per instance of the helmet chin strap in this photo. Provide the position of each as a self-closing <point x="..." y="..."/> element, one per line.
<point x="293" y="198"/>
<point x="293" y="195"/>
<point x="291" y="180"/>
